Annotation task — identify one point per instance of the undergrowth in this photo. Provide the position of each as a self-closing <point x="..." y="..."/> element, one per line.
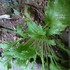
<point x="40" y="39"/>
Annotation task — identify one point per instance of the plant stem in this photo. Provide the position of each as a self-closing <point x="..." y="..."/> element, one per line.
<point x="42" y="58"/>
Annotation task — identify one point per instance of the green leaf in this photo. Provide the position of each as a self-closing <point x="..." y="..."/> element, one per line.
<point x="35" y="30"/>
<point x="15" y="3"/>
<point x="3" y="45"/>
<point x="24" y="46"/>
<point x="51" y="42"/>
<point x="19" y="31"/>
<point x="57" y="16"/>
<point x="16" y="12"/>
<point x="2" y="66"/>
<point x="48" y="41"/>
<point x="7" y="45"/>
<point x="4" y="5"/>
<point x="54" y="67"/>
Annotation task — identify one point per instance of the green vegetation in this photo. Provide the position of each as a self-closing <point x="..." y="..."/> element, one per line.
<point x="38" y="38"/>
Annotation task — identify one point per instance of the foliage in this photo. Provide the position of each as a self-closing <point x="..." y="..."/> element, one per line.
<point x="57" y="16"/>
<point x="38" y="40"/>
